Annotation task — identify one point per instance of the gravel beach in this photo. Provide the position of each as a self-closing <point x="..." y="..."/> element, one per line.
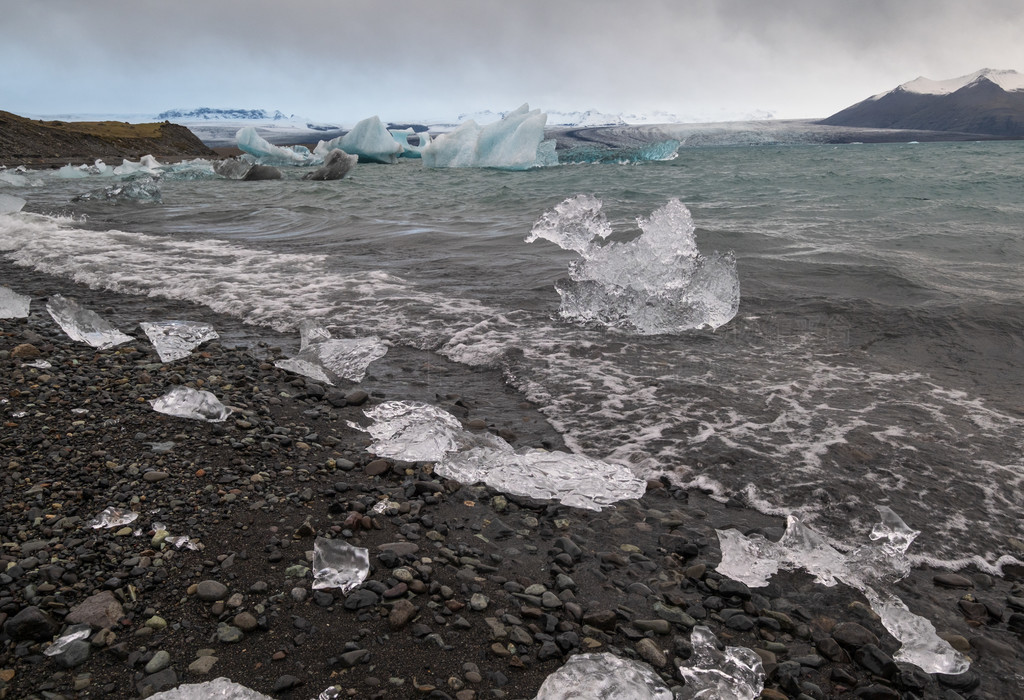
<point x="471" y="593"/>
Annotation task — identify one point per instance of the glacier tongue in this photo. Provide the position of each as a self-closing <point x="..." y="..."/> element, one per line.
<point x="12" y="304"/>
<point x="603" y="675"/>
<point x="514" y="143"/>
<point x="174" y="340"/>
<point x="655" y="283"/>
<point x="83" y="325"/>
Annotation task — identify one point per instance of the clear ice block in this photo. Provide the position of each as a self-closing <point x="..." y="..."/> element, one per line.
<point x="337" y="564"/>
<point x="217" y="689"/>
<point x="84" y="325"/>
<point x="112" y="517"/>
<point x="603" y="675"/>
<point x="185" y="402"/>
<point x="174" y="340"/>
<point x="12" y="304"/>
<point x="326" y="359"/>
<point x="733" y="674"/>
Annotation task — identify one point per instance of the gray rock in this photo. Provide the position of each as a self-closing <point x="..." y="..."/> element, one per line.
<point x="229" y="634"/>
<point x="99" y="611"/>
<point x="30" y="624"/>
<point x="651" y="653"/>
<point x="211" y="591"/>
<point x="202" y="665"/>
<point x="75" y="654"/>
<point x="159" y="662"/>
<point x="852" y="635"/>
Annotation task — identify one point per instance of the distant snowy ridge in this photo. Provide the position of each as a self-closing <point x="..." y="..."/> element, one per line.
<point x="212" y="113"/>
<point x="1008" y="80"/>
<point x="593" y="118"/>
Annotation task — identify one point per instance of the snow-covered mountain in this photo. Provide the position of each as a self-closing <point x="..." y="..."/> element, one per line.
<point x="984" y="102"/>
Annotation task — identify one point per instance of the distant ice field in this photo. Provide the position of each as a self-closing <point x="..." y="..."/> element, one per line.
<point x="877" y="356"/>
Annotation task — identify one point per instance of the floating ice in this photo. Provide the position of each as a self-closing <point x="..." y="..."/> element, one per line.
<point x="368" y="139"/>
<point x="336" y="166"/>
<point x="112" y="517"/>
<point x="71" y="634"/>
<point x="269" y="154"/>
<point x="232" y="168"/>
<point x="9" y="204"/>
<point x="184" y="402"/>
<point x="408" y="150"/>
<point x="871" y="569"/>
<point x="71" y="172"/>
<point x="514" y="143"/>
<point x="414" y="431"/>
<point x="663" y="150"/>
<point x="326" y="359"/>
<point x="217" y="689"/>
<point x="144" y="189"/>
<point x="147" y="164"/>
<point x="174" y="340"/>
<point x="83" y="325"/>
<point x="337" y="564"/>
<point x="735" y="674"/>
<point x="12" y="304"/>
<point x="655" y="283"/>
<point x="590" y="676"/>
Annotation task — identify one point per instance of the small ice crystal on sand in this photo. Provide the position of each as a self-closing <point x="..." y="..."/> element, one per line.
<point x="72" y="634"/>
<point x="12" y="304"/>
<point x="184" y="402"/>
<point x="590" y="676"/>
<point x="113" y="517"/>
<point x="217" y="689"/>
<point x="733" y="674"/>
<point x="174" y="340"/>
<point x="83" y="325"/>
<point x="337" y="564"/>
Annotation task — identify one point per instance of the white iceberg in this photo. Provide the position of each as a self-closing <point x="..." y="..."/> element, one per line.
<point x="327" y="359"/>
<point x="185" y="402"/>
<point x="369" y="139"/>
<point x="408" y="150"/>
<point x="733" y="674"/>
<point x="217" y="689"/>
<point x="514" y="143"/>
<point x="337" y="564"/>
<point x="655" y="283"/>
<point x="603" y="675"/>
<point x="174" y="340"/>
<point x="83" y="325"/>
<point x="147" y="164"/>
<point x="12" y="304"/>
<point x="267" y="153"/>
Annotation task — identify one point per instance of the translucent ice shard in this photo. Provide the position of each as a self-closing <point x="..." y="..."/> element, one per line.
<point x="71" y="634"/>
<point x="592" y="676"/>
<point x="735" y="674"/>
<point x="413" y="431"/>
<point x="655" y="283"/>
<point x="369" y="140"/>
<point x="12" y="304"/>
<point x="267" y="153"/>
<point x="10" y="204"/>
<point x="83" y="325"/>
<point x="337" y="564"/>
<point x="174" y="340"/>
<point x="514" y="143"/>
<point x="232" y="168"/>
<point x="112" y="517"/>
<point x="217" y="689"/>
<point x="327" y="359"/>
<point x="184" y="402"/>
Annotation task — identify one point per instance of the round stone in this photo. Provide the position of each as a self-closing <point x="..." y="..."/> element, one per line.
<point x="211" y="591"/>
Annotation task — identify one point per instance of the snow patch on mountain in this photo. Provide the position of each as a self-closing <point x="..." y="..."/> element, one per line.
<point x="215" y="114"/>
<point x="1009" y="80"/>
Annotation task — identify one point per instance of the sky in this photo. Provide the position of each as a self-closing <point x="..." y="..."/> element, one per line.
<point x="339" y="61"/>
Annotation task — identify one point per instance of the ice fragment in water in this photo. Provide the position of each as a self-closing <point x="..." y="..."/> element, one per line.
<point x="592" y="676"/>
<point x="267" y="153"/>
<point x="337" y="564"/>
<point x="10" y="204"/>
<point x="174" y="340"/>
<point x="113" y="517"/>
<point x="12" y="304"/>
<point x="336" y="166"/>
<point x="655" y="283"/>
<point x="141" y="190"/>
<point x="185" y="402"/>
<point x="871" y="569"/>
<point x="514" y="143"/>
<point x="414" y="431"/>
<point x="735" y="674"/>
<point x="217" y="689"/>
<point x="84" y="325"/>
<point x="326" y="359"/>
<point x="369" y="140"/>
<point x="71" y="634"/>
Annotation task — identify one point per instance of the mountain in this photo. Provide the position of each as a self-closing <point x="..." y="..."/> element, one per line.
<point x="214" y="114"/>
<point x="987" y="102"/>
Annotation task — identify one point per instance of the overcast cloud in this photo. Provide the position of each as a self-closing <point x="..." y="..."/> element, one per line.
<point x="342" y="60"/>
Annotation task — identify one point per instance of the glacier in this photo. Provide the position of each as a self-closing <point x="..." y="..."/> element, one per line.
<point x="514" y="143"/>
<point x="368" y="139"/>
<point x="656" y="283"/>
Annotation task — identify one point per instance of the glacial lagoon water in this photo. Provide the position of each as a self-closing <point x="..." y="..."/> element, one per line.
<point x="875" y="357"/>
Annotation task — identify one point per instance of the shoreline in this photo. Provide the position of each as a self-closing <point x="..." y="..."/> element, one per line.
<point x="285" y="468"/>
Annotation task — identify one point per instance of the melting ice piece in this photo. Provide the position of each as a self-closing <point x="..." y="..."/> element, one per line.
<point x="84" y="325"/>
<point x="113" y="517"/>
<point x="336" y="166"/>
<point x="655" y="283"/>
<point x="514" y="143"/>
<point x="71" y="634"/>
<point x="217" y="689"/>
<point x="185" y="402"/>
<point x="735" y="674"/>
<point x="326" y="359"/>
<point x="589" y="676"/>
<point x="146" y="164"/>
<point x="369" y="140"/>
<point x="174" y="340"/>
<point x="10" y="204"/>
<point x="412" y="431"/>
<point x="12" y="304"/>
<point x="70" y="172"/>
<point x="267" y="153"/>
<point x="337" y="564"/>
<point x="141" y="190"/>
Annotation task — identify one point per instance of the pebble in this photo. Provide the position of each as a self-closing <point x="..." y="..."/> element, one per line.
<point x="159" y="662"/>
<point x="211" y="591"/>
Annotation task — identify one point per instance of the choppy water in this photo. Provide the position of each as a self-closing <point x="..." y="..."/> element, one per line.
<point x="877" y="357"/>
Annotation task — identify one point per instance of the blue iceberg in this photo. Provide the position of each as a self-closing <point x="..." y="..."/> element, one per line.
<point x="267" y="153"/>
<point x="408" y="150"/>
<point x="368" y="139"/>
<point x="515" y="143"/>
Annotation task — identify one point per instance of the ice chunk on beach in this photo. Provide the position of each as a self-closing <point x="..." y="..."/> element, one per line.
<point x="337" y="564"/>
<point x="655" y="283"/>
<point x="514" y="143"/>
<point x="174" y="340"/>
<point x="185" y="402"/>
<point x="336" y="166"/>
<point x="12" y="304"/>
<point x="9" y="204"/>
<point x="112" y="517"/>
<point x="267" y="153"/>
<point x="73" y="633"/>
<point x="327" y="359"/>
<point x="603" y="675"/>
<point x="369" y="140"/>
<point x="733" y="674"/>
<point x="217" y="689"/>
<point x="84" y="325"/>
<point x="414" y="431"/>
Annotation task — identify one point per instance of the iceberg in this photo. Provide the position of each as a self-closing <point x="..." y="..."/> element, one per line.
<point x="418" y="432"/>
<point x="655" y="283"/>
<point x="327" y="359"/>
<point x="408" y="150"/>
<point x="267" y="153"/>
<point x="871" y="569"/>
<point x="217" y="689"/>
<point x="603" y="675"/>
<point x="147" y="164"/>
<point x="83" y="325"/>
<point x="174" y="340"/>
<point x="336" y="166"/>
<point x="12" y="304"/>
<point x="735" y="674"/>
<point x="70" y="172"/>
<point x="184" y="402"/>
<point x="337" y="564"/>
<point x="9" y="204"/>
<point x="369" y="140"/>
<point x="514" y="143"/>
